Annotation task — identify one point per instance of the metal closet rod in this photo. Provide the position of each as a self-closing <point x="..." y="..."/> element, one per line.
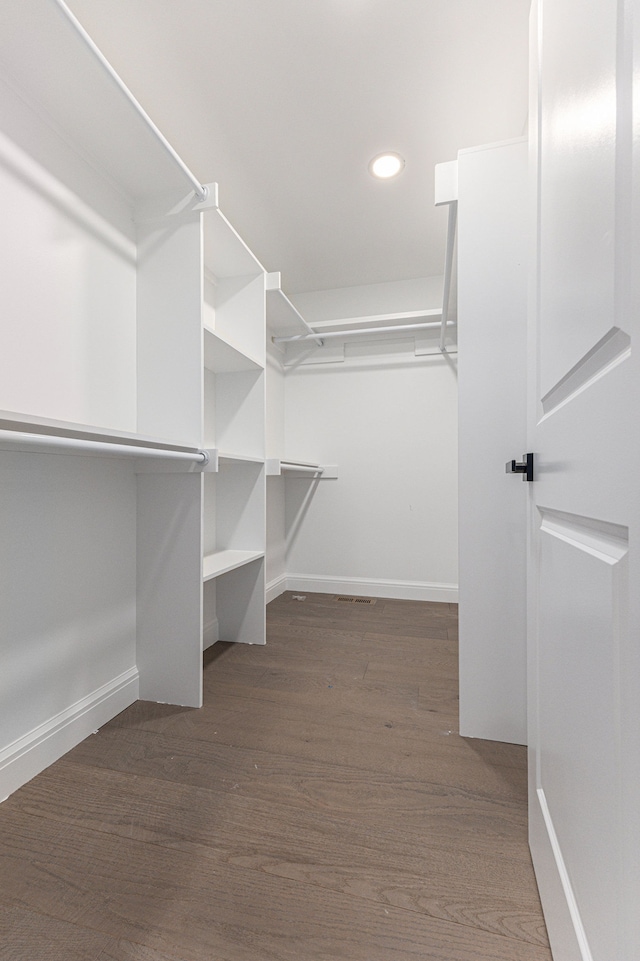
<point x="296" y="338"/>
<point x="80" y="446"/>
<point x="201" y="191"/>
<point x="312" y="334"/>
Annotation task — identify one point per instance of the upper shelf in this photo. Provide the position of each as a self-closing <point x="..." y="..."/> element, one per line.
<point x="220" y="459"/>
<point x="275" y="467"/>
<point x="290" y="331"/>
<point x="10" y="420"/>
<point x="225" y="252"/>
<point x="49" y="60"/>
<point x="283" y="318"/>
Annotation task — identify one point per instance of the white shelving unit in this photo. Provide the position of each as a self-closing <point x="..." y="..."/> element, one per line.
<point x="283" y="319"/>
<point x="106" y="337"/>
<point x="234" y="426"/>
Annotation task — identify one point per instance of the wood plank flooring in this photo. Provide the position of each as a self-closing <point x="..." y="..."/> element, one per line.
<point x="320" y="807"/>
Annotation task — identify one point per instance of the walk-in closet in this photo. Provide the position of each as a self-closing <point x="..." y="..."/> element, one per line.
<point x="172" y="453"/>
<point x="318" y="520"/>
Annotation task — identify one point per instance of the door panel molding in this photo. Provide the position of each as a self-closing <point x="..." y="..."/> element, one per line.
<point x="611" y="350"/>
<point x="606" y="541"/>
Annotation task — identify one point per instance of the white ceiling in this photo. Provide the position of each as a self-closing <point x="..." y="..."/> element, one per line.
<point x="284" y="102"/>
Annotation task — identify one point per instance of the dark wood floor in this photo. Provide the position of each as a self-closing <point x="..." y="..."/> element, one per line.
<point x="320" y="807"/>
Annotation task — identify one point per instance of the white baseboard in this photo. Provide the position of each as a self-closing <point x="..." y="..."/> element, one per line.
<point x="32" y="753"/>
<point x="363" y="587"/>
<point x="276" y="587"/>
<point x="211" y="634"/>
<point x="562" y="917"/>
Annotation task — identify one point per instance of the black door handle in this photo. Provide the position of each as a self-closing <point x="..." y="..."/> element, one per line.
<point x="525" y="468"/>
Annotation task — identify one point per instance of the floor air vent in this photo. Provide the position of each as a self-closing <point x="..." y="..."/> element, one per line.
<point x="354" y="600"/>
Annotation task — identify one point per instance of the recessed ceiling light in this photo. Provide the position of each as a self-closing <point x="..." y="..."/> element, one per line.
<point x="386" y="165"/>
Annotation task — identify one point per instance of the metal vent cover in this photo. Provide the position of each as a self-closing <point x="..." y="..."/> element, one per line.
<point x="354" y="600"/>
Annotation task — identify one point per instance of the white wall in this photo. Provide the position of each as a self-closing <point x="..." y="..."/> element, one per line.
<point x="68" y="615"/>
<point x="62" y="263"/>
<point x="388" y="525"/>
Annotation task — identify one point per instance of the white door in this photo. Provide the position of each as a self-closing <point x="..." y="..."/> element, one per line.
<point x="584" y="572"/>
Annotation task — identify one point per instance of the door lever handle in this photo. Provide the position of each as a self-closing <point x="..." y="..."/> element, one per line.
<point x="525" y="468"/>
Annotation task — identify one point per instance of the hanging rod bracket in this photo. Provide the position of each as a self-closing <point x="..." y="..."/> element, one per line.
<point x="207" y="198"/>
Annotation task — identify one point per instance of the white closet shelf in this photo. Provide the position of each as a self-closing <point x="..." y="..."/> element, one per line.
<point x="231" y="458"/>
<point x="221" y="562"/>
<point x="30" y="424"/>
<point x="221" y="458"/>
<point x="300" y="468"/>
<point x="226" y="250"/>
<point x="56" y="444"/>
<point x="68" y="87"/>
<point x="221" y="357"/>
<point x="282" y="317"/>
